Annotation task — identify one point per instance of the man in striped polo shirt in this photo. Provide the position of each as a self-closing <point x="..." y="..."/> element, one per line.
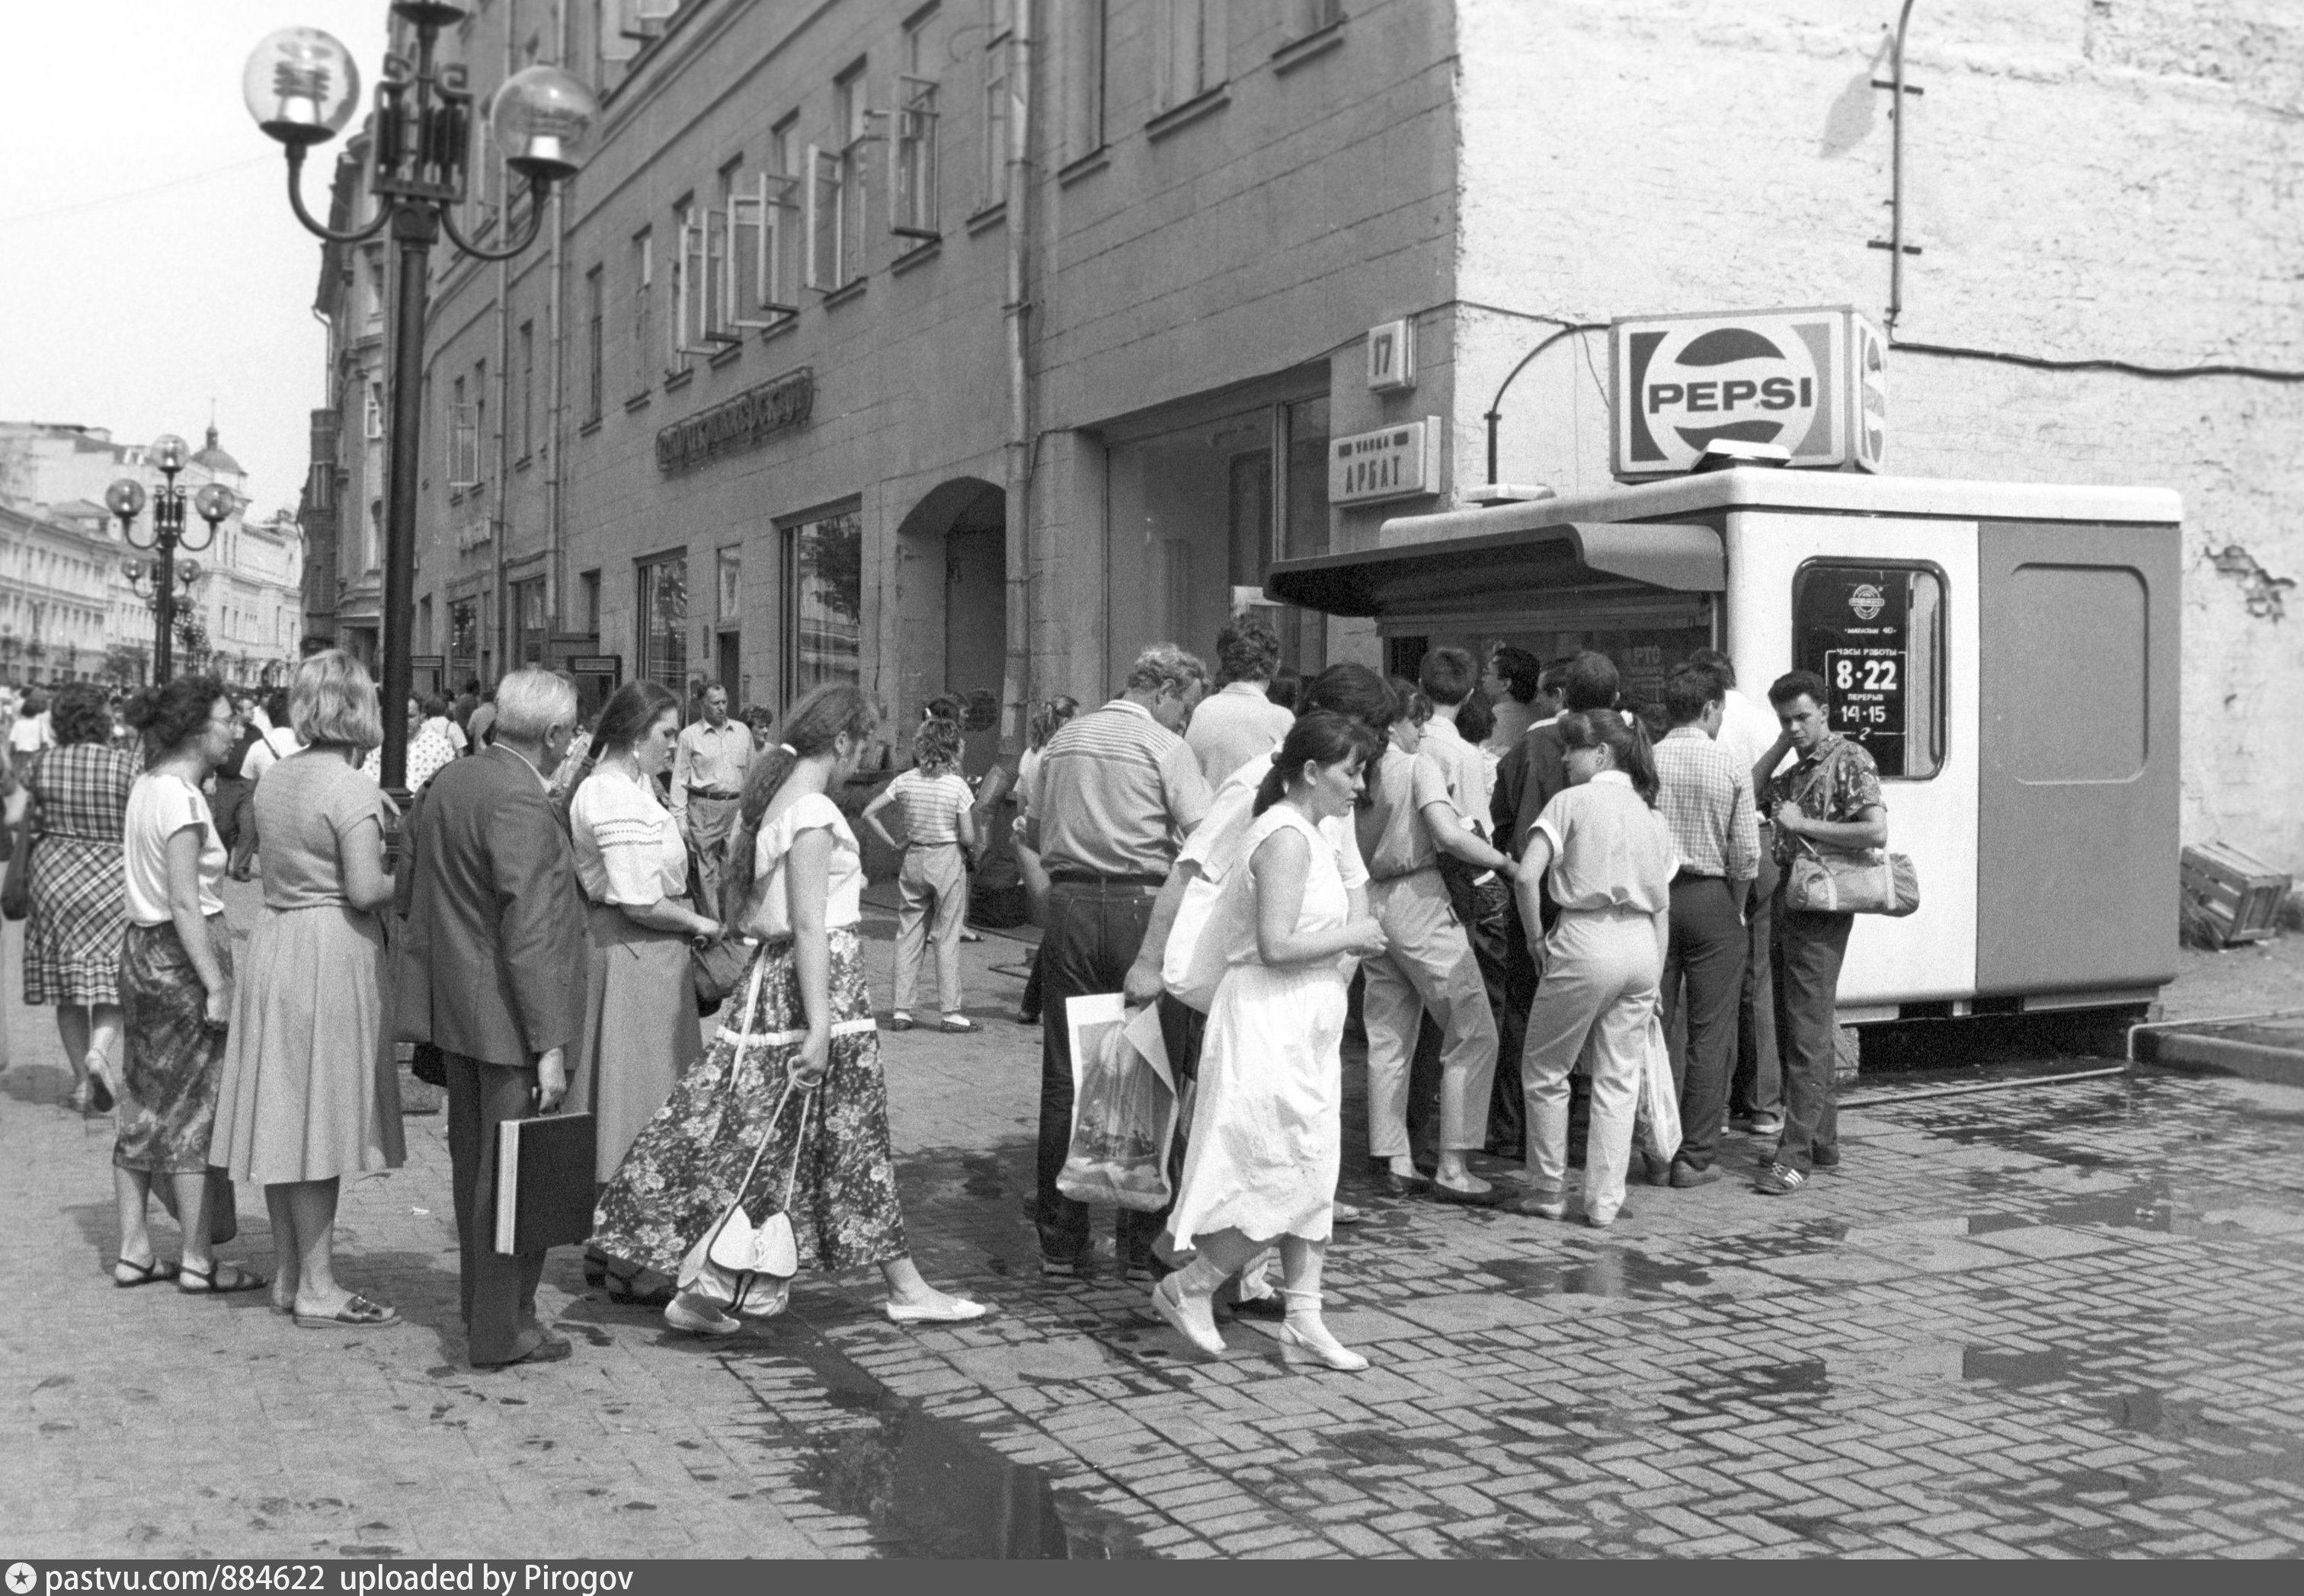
<point x="1117" y="792"/>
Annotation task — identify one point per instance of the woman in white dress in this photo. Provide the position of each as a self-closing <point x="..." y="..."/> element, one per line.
<point x="1266" y="1130"/>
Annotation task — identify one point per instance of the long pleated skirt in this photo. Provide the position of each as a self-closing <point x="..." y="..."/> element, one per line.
<point x="310" y="1089"/>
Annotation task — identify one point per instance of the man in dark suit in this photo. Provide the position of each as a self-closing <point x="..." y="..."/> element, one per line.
<point x="491" y="972"/>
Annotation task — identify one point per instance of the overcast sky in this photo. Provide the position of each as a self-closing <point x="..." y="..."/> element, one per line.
<point x="148" y="263"/>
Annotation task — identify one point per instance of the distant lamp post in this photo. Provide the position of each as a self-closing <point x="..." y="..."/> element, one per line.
<point x="125" y="498"/>
<point x="301" y="86"/>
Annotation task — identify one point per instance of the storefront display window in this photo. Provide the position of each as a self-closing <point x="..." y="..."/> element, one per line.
<point x="663" y="621"/>
<point x="823" y="576"/>
<point x="528" y="615"/>
<point x="463" y="640"/>
<point x="1197" y="512"/>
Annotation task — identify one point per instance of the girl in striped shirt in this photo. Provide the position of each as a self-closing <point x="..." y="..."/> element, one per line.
<point x="932" y="885"/>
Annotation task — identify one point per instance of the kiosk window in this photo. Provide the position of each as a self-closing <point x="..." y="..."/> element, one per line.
<point x="1875" y="634"/>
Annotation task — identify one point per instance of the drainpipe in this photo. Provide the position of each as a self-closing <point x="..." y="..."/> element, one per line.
<point x="1017" y="675"/>
<point x="1896" y="181"/>
<point x="554" y="430"/>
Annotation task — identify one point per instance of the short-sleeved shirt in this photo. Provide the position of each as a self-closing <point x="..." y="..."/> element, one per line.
<point x="159" y="805"/>
<point x="308" y="808"/>
<point x="1118" y="794"/>
<point x="931" y="806"/>
<point x="1233" y="727"/>
<point x="1405" y="785"/>
<point x="1609" y="850"/>
<point x="1705" y="799"/>
<point x="1837" y="782"/>
<point x="710" y="759"/>
<point x="844" y="898"/>
<point x="269" y="750"/>
<point x="1470" y="772"/>
<point x="628" y="845"/>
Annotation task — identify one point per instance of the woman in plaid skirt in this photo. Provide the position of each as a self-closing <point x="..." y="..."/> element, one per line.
<point x="79" y="902"/>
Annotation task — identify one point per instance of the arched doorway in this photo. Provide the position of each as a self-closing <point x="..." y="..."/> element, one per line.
<point x="955" y="608"/>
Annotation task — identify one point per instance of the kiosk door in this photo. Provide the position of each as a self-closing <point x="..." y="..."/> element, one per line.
<point x="2075" y="883"/>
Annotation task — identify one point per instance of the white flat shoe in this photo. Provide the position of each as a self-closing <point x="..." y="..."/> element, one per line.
<point x="959" y="1310"/>
<point x="1296" y="1347"/>
<point x="699" y="1318"/>
<point x="1171" y="1307"/>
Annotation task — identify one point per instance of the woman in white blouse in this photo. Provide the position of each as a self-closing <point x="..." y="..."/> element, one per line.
<point x="641" y="1034"/>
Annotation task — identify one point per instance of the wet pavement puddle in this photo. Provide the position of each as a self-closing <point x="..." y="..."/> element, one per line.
<point x="928" y="1486"/>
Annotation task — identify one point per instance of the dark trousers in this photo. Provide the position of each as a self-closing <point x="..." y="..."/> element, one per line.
<point x="498" y="1288"/>
<point x="1758" y="1086"/>
<point x="1485" y="913"/>
<point x="1092" y="936"/>
<point x="1029" y="1005"/>
<point x="1703" y="975"/>
<point x="1807" y="951"/>
<point x="1508" y="1102"/>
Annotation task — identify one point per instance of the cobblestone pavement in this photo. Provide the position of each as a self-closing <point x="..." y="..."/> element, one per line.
<point x="2063" y="1321"/>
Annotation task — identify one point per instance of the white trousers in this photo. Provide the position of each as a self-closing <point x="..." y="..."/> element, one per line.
<point x="1428" y="963"/>
<point x="1600" y="976"/>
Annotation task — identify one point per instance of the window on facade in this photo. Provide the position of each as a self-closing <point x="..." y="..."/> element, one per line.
<point x="463" y="637"/>
<point x="729" y="585"/>
<point x="1191" y="49"/>
<point x="596" y="310"/>
<point x="687" y="330"/>
<point x="992" y="171"/>
<point x="824" y="583"/>
<point x="643" y="311"/>
<point x="588" y="600"/>
<point x="1080" y="47"/>
<point x="479" y="420"/>
<point x="531" y="620"/>
<point x="836" y="201"/>
<point x="525" y="426"/>
<point x="662" y="612"/>
<point x="463" y="430"/>
<point x="1875" y="634"/>
<point x="372" y="418"/>
<point x="372" y="537"/>
<point x="424" y="624"/>
<point x="376" y="290"/>
<point x="912" y="162"/>
<point x="1309" y="16"/>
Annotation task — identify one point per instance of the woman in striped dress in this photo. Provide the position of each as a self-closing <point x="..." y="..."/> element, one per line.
<point x="78" y="896"/>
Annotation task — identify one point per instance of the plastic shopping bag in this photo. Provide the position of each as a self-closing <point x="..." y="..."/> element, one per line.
<point x="1659" y="1113"/>
<point x="1123" y="1105"/>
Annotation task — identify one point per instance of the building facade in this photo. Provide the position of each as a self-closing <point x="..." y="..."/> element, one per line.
<point x="242" y="616"/>
<point x="969" y="346"/>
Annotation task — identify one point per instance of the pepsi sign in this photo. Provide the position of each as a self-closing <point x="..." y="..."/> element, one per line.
<point x="1813" y="383"/>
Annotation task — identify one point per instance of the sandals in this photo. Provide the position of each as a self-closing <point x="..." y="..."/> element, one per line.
<point x="141" y="1274"/>
<point x="221" y="1280"/>
<point x="357" y="1314"/>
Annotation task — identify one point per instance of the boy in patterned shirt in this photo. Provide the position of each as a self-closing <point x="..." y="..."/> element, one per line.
<point x="1829" y="800"/>
<point x="935" y="802"/>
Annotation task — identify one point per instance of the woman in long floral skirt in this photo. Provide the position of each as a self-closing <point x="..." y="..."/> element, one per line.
<point x="790" y="1095"/>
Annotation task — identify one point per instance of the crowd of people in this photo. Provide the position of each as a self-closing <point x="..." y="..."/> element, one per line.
<point x="1509" y="863"/>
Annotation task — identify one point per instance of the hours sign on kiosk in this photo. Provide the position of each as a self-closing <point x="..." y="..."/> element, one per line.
<point x="2007" y="651"/>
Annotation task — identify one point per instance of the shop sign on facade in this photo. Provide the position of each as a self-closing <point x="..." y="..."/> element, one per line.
<point x="1813" y="383"/>
<point x="780" y="405"/>
<point x="1397" y="462"/>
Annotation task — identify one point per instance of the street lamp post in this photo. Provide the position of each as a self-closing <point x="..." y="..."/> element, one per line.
<point x="301" y="86"/>
<point x="125" y="498"/>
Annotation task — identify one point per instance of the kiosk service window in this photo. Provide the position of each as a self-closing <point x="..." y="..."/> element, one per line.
<point x="1875" y="634"/>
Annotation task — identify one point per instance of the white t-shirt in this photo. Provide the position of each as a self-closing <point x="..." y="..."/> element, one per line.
<point x="159" y="807"/>
<point x="268" y="750"/>
<point x="30" y="734"/>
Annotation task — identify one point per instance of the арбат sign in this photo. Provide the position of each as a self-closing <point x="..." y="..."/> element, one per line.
<point x="1811" y="382"/>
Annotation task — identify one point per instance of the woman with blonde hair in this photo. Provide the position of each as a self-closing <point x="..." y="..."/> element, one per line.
<point x="311" y="1093"/>
<point x="789" y="1110"/>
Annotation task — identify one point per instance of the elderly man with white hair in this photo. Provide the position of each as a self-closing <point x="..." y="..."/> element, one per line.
<point x="492" y="973"/>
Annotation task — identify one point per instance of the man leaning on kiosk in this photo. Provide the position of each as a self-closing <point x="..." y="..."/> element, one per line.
<point x="1828" y="801"/>
<point x="1118" y="790"/>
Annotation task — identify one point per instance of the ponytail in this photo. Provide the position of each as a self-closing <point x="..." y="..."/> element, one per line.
<point x="1627" y="744"/>
<point x="1320" y="737"/>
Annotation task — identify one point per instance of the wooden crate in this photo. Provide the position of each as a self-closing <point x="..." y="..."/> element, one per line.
<point x="2235" y="895"/>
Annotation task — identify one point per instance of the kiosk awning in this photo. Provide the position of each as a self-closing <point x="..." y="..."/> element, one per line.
<point x="1583" y="555"/>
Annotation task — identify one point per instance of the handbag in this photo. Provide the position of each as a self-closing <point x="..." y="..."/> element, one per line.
<point x="735" y="1261"/>
<point x="1871" y="882"/>
<point x="715" y="969"/>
